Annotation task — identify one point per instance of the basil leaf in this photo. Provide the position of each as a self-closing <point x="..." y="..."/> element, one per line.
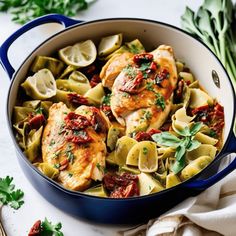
<point x="180" y="151"/>
<point x="195" y="128"/>
<point x="178" y="166"/>
<point x="166" y="139"/>
<point x="193" y="144"/>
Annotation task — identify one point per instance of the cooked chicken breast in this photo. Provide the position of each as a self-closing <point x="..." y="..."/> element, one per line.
<point x="113" y="67"/>
<point x="74" y="143"/>
<point x="142" y="93"/>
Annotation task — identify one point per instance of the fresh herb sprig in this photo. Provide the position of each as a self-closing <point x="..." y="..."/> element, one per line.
<point x="46" y="228"/>
<point x="214" y="24"/>
<point x="182" y="145"/>
<point x="8" y="194"/>
<point x="26" y="10"/>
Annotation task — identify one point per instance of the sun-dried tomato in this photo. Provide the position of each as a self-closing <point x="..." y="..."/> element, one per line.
<point x="125" y="191"/>
<point x="107" y="111"/>
<point x="97" y="121"/>
<point x="178" y="93"/>
<point x="64" y="164"/>
<point x="132" y="86"/>
<point x="37" y="121"/>
<point x="142" y="136"/>
<point x="76" y="122"/>
<point x="90" y="70"/>
<point x="95" y="80"/>
<point x="154" y="131"/>
<point x="79" y="137"/>
<point x="162" y="75"/>
<point x="121" y="186"/>
<point x="35" y="229"/>
<point x="142" y="58"/>
<point x="77" y="99"/>
<point x="217" y="119"/>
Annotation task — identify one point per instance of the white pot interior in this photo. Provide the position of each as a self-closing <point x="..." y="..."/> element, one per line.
<point x="197" y="57"/>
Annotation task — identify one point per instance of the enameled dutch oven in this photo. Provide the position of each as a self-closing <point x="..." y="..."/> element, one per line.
<point x="203" y="63"/>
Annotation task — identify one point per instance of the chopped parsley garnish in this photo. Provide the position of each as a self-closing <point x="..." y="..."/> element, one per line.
<point x="52" y="142"/>
<point x="145" y="151"/>
<point x="130" y="71"/>
<point x="47" y="228"/>
<point x="144" y="66"/>
<point x="57" y="165"/>
<point x="124" y="94"/>
<point x="39" y="110"/>
<point x="134" y="49"/>
<point x="149" y="86"/>
<point x="100" y="168"/>
<point x="160" y="101"/>
<point x="106" y="99"/>
<point x="70" y="175"/>
<point x="148" y="115"/>
<point x="8" y="194"/>
<point x="212" y="133"/>
<point x="69" y="153"/>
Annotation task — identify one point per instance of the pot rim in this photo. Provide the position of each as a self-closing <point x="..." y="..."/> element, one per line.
<point x="81" y="194"/>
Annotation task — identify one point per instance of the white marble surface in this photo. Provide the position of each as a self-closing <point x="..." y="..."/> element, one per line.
<point x="35" y="207"/>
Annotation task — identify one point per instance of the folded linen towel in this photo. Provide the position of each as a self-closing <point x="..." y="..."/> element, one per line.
<point x="213" y="212"/>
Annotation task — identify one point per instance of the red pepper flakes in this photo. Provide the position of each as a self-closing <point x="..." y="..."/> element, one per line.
<point x="37" y="121"/>
<point x="35" y="229"/>
<point x="77" y="99"/>
<point x="95" y="80"/>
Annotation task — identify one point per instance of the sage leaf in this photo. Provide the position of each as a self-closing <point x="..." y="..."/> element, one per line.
<point x="194" y="144"/>
<point x="195" y="128"/>
<point x="178" y="166"/>
<point x="166" y="139"/>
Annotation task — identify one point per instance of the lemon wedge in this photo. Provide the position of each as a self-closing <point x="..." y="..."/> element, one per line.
<point x="109" y="44"/>
<point x="80" y="54"/>
<point x="41" y="85"/>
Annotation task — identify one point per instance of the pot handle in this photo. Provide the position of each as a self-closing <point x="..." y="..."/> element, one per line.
<point x="57" y="18"/>
<point x="206" y="183"/>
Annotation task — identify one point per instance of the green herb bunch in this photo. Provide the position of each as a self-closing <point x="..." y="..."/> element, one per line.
<point x="26" y="10"/>
<point x="183" y="144"/>
<point x="8" y="194"/>
<point x="214" y="24"/>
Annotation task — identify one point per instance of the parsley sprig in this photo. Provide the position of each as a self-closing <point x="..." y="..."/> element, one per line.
<point x="49" y="229"/>
<point x="46" y="228"/>
<point x="27" y="10"/>
<point x="181" y="145"/>
<point x="8" y="194"/>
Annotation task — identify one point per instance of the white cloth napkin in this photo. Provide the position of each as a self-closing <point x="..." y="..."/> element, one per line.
<point x="213" y="212"/>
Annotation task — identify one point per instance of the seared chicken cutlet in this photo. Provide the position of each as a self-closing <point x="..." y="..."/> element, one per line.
<point x="74" y="143"/>
<point x="113" y="68"/>
<point x="142" y="93"/>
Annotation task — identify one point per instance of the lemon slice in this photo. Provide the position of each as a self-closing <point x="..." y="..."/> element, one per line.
<point x="80" y="55"/>
<point x="148" y="161"/>
<point x="41" y="85"/>
<point x="109" y="44"/>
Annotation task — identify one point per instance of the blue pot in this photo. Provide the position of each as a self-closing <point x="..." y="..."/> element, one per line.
<point x="199" y="58"/>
